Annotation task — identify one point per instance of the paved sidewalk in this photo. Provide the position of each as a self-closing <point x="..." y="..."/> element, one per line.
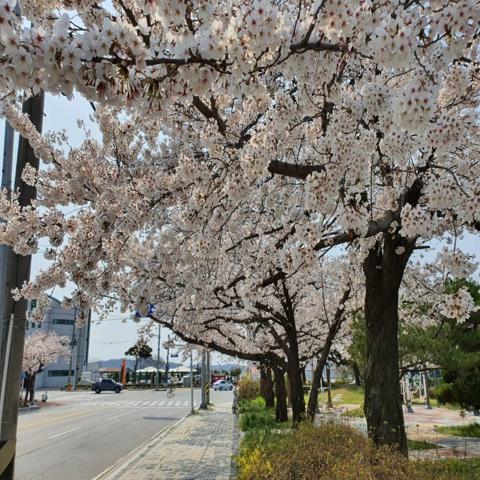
<point x="199" y="447"/>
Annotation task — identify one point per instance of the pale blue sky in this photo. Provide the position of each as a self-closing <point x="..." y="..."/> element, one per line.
<point x="111" y="338"/>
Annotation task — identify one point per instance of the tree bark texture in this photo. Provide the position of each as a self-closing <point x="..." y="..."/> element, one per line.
<point x="384" y="268"/>
<point x="281" y="413"/>
<point x="266" y="386"/>
<point x="297" y="399"/>
<point x="18" y="272"/>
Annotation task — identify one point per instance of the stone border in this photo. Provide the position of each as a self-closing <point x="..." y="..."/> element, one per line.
<point x="235" y="447"/>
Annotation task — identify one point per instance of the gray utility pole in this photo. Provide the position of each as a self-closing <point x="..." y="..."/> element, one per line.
<point x="6" y="185"/>
<point x="192" y="406"/>
<point x="203" y="402"/>
<point x="157" y="379"/>
<point x="73" y="342"/>
<point x="209" y="376"/>
<point x="18" y="272"/>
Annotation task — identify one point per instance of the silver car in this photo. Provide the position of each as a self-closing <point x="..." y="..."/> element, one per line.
<point x="222" y="385"/>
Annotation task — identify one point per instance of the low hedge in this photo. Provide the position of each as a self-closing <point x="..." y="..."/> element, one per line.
<point x="254" y="415"/>
<point x="444" y="394"/>
<point x="335" y="452"/>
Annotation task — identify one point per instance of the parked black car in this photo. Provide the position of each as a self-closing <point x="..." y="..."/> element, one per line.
<point x="106" y="385"/>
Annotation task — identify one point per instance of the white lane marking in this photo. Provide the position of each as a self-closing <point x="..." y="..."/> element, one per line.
<point x="63" y="433"/>
<point x="116" y="416"/>
<point x="145" y="403"/>
<point x="169" y="404"/>
<point x="153" y="403"/>
<point x="178" y="404"/>
<point x="160" y="404"/>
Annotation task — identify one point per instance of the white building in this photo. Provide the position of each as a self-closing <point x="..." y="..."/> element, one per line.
<point x="62" y="321"/>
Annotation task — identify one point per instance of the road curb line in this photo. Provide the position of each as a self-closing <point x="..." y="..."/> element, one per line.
<point x="118" y="467"/>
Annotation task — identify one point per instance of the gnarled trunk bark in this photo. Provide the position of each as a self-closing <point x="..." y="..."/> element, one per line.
<point x="313" y="397"/>
<point x="281" y="413"/>
<point x="384" y="268"/>
<point x="297" y="400"/>
<point x="266" y="386"/>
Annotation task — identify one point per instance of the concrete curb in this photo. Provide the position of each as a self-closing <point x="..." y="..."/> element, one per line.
<point x="26" y="410"/>
<point x="119" y="467"/>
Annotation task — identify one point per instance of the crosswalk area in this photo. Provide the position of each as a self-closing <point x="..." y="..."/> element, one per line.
<point x="136" y="404"/>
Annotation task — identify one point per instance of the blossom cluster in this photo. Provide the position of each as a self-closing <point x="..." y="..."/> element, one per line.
<point x="43" y="348"/>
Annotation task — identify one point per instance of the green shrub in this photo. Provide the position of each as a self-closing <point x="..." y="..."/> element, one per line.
<point x="466" y="388"/>
<point x="336" y="452"/>
<point x="329" y="452"/>
<point x="254" y="405"/>
<point x="248" y="389"/>
<point x="444" y="394"/>
<point x="264" y="420"/>
<point x="254" y="415"/>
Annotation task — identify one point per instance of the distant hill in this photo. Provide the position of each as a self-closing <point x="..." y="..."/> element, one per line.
<point x="228" y="366"/>
<point x="117" y="363"/>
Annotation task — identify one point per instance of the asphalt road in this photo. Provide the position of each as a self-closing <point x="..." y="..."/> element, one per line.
<point x="83" y="433"/>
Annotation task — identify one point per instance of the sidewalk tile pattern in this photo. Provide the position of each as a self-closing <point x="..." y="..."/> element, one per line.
<point x="199" y="448"/>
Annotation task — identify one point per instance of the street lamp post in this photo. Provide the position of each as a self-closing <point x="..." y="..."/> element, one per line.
<point x="209" y="377"/>
<point x="158" y="358"/>
<point x="192" y="408"/>
<point x="72" y="345"/>
<point x="203" y="403"/>
<point x="168" y="342"/>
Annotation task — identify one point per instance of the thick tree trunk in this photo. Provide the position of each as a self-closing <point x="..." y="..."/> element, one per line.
<point x="356" y="374"/>
<point x="266" y="386"/>
<point x="18" y="272"/>
<point x="281" y="413"/>
<point x="384" y="269"/>
<point x="295" y="384"/>
<point x="313" y="398"/>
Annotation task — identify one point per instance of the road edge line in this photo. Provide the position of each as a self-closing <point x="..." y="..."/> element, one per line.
<point x="123" y="463"/>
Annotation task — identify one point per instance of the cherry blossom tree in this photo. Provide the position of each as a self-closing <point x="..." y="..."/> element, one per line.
<point x="42" y="349"/>
<point x="342" y="124"/>
<point x="282" y="327"/>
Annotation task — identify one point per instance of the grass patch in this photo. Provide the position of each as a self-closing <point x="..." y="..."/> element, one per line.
<point x="468" y="430"/>
<point x="356" y="413"/>
<point x="449" y="469"/>
<point x="351" y="394"/>
<point x="421" y="445"/>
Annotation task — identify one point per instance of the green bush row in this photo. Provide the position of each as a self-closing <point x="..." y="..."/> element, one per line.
<point x="335" y="452"/>
<point x="254" y="415"/>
